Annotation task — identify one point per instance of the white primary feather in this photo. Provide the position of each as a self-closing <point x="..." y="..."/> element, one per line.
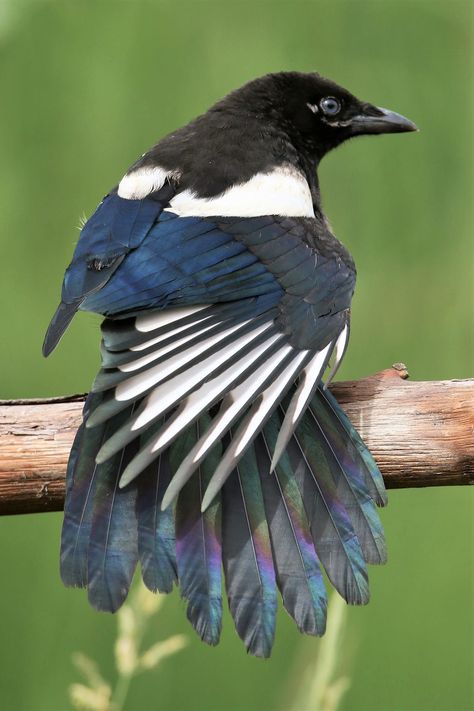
<point x="138" y="384"/>
<point x="304" y="392"/>
<point x="311" y="375"/>
<point x="178" y="390"/>
<point x="240" y="398"/>
<point x="170" y="392"/>
<point x="250" y="427"/>
<point x="157" y="319"/>
<point x="168" y="334"/>
<point x="200" y="399"/>
<point x="235" y="402"/>
<point x="150" y="357"/>
<point x="270" y="396"/>
<point x="341" y="345"/>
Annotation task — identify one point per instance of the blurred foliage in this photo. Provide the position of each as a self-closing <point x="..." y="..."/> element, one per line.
<point x="88" y="86"/>
<point x="319" y="682"/>
<point x="130" y="661"/>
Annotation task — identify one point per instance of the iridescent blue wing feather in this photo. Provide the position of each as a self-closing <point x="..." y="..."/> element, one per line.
<point x="156" y="530"/>
<point x="348" y="474"/>
<point x="113" y="544"/>
<point x="333" y="534"/>
<point x="348" y="434"/>
<point x="81" y="482"/>
<point x="247" y="558"/>
<point x="198" y="543"/>
<point x="117" y="227"/>
<point x="296" y="564"/>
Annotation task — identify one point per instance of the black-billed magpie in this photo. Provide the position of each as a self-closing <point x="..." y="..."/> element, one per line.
<point x="209" y="441"/>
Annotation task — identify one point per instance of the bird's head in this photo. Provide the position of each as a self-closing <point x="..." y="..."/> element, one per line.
<point x="278" y="121"/>
<point x="316" y="113"/>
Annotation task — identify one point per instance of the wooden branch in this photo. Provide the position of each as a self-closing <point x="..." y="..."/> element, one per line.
<point x="421" y="434"/>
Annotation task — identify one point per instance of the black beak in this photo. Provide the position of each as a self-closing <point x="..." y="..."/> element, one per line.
<point x="377" y="120"/>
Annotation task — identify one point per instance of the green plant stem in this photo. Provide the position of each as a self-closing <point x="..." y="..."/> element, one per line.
<point x="327" y="660"/>
<point x="322" y="685"/>
<point x="122" y="687"/>
<point x="120" y="693"/>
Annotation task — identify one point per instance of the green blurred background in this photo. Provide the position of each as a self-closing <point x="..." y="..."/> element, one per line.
<point x="88" y="86"/>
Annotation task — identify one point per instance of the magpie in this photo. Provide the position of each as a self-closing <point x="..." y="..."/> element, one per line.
<point x="210" y="443"/>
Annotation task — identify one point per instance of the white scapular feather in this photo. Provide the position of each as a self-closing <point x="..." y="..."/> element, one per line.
<point x="139" y="183"/>
<point x="283" y="191"/>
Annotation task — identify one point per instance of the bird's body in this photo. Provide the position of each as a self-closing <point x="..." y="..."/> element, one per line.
<point x="209" y="440"/>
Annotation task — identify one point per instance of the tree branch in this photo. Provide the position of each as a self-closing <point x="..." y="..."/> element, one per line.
<point x="419" y="432"/>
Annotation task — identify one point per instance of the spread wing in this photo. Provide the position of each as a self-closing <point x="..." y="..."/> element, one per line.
<point x="218" y="331"/>
<point x="224" y="310"/>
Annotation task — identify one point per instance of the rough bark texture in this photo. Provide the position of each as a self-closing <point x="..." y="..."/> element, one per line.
<point x="421" y="434"/>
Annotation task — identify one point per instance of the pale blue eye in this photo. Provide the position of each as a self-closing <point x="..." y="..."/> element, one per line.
<point x="330" y="106"/>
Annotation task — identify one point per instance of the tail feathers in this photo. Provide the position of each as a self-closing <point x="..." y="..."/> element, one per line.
<point x="113" y="544"/>
<point x="156" y="530"/>
<point x="297" y="566"/>
<point x="81" y="484"/>
<point x="333" y="534"/>
<point x="268" y="531"/>
<point x="198" y="543"/>
<point x="350" y="436"/>
<point x="97" y="550"/>
<point x="350" y="485"/>
<point x="248" y="559"/>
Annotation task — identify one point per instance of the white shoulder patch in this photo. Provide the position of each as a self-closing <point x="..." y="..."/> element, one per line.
<point x="143" y="181"/>
<point x="283" y="191"/>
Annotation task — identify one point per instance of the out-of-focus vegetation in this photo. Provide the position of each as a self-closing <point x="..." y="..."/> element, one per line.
<point x="133" y="621"/>
<point x="321" y="680"/>
<point x="88" y="86"/>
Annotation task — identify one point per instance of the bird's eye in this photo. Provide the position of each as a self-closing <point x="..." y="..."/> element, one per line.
<point x="330" y="106"/>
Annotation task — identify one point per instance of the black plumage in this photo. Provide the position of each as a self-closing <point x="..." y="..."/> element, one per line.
<point x="209" y="440"/>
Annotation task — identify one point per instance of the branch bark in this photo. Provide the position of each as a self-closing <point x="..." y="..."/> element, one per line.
<point x="420" y="433"/>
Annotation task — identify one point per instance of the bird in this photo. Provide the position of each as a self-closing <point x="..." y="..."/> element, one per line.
<point x="212" y="453"/>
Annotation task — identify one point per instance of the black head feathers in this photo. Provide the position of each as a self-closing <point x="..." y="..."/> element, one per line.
<point x="287" y="118"/>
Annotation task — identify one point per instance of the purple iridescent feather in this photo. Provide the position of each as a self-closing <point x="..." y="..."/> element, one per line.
<point x="198" y="541"/>
<point x="247" y="558"/>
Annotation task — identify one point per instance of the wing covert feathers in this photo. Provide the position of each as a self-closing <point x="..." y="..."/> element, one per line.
<point x="210" y="444"/>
